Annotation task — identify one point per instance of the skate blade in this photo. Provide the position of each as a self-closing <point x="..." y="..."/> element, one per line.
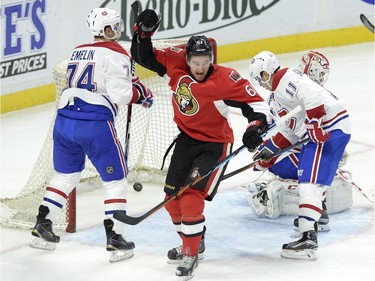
<point x="40" y="243"/>
<point x="185" y="278"/>
<point x="119" y="255"/>
<point x="321" y="228"/>
<point x="169" y="261"/>
<point x="307" y="254"/>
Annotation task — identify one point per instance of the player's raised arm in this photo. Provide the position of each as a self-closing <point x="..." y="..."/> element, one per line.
<point x="141" y="49"/>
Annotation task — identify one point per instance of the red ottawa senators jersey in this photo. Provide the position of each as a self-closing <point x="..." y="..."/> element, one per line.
<point x="199" y="108"/>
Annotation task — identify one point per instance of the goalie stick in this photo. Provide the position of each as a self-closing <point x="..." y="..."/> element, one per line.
<point x="121" y="216"/>
<point x="366" y="22"/>
<point x="345" y="178"/>
<point x="281" y="151"/>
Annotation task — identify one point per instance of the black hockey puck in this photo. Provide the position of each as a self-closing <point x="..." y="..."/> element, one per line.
<point x="137" y="186"/>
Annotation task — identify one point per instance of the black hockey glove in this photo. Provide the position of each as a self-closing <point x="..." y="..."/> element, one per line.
<point x="170" y="190"/>
<point x="252" y="136"/>
<point x="147" y="23"/>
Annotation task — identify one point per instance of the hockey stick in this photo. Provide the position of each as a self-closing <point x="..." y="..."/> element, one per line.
<point x="135" y="9"/>
<point x="121" y="216"/>
<point x="127" y="132"/>
<point x="366" y="22"/>
<point x="277" y="123"/>
<point x="281" y="151"/>
<point x="345" y="178"/>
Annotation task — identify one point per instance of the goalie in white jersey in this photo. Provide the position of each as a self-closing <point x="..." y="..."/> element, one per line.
<point x="99" y="80"/>
<point x="326" y="123"/>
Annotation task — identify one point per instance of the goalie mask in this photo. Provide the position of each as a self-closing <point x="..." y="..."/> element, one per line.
<point x="198" y="46"/>
<point x="100" y="18"/>
<point x="264" y="61"/>
<point x="316" y="66"/>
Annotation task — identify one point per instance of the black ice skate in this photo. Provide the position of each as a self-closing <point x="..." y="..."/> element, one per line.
<point x="185" y="270"/>
<point x="304" y="248"/>
<point x="45" y="238"/>
<point x="116" y="244"/>
<point x="175" y="254"/>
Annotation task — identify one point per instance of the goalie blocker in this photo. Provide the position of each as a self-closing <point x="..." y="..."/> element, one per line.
<point x="273" y="197"/>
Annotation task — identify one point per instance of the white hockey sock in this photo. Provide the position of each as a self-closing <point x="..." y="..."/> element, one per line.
<point x="116" y="192"/>
<point x="57" y="192"/>
<point x="310" y="205"/>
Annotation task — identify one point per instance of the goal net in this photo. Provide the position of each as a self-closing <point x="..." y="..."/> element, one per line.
<point x="151" y="132"/>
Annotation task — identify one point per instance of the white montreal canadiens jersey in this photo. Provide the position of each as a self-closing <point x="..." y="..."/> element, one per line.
<point x="292" y="88"/>
<point x="99" y="73"/>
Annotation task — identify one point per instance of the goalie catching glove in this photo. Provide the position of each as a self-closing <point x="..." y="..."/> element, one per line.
<point x="147" y="23"/>
<point x="145" y="96"/>
<point x="268" y="149"/>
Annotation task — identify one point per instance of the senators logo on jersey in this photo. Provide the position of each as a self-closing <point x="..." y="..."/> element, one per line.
<point x="187" y="104"/>
<point x="235" y="76"/>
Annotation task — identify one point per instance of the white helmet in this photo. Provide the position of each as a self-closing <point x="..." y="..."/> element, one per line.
<point x="316" y="66"/>
<point x="99" y="18"/>
<point x="264" y="61"/>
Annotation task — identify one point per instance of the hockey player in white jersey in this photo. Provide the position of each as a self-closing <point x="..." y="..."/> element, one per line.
<point x="99" y="80"/>
<point x="326" y="123"/>
<point x="275" y="192"/>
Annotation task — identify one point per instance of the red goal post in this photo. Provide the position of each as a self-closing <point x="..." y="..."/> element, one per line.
<point x="152" y="131"/>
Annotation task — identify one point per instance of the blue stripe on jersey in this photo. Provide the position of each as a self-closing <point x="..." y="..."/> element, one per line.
<point x="114" y="108"/>
<point x="336" y="121"/>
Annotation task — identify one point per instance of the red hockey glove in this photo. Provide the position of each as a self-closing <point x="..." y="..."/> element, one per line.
<point x="264" y="164"/>
<point x="252" y="136"/>
<point x="315" y="131"/>
<point x="147" y="23"/>
<point x="145" y="95"/>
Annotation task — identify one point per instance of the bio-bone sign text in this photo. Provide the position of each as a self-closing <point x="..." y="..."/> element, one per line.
<point x="183" y="18"/>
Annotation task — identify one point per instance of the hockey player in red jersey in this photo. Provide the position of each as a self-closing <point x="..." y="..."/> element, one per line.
<point x="202" y="92"/>
<point x="327" y="124"/>
<point x="99" y="80"/>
